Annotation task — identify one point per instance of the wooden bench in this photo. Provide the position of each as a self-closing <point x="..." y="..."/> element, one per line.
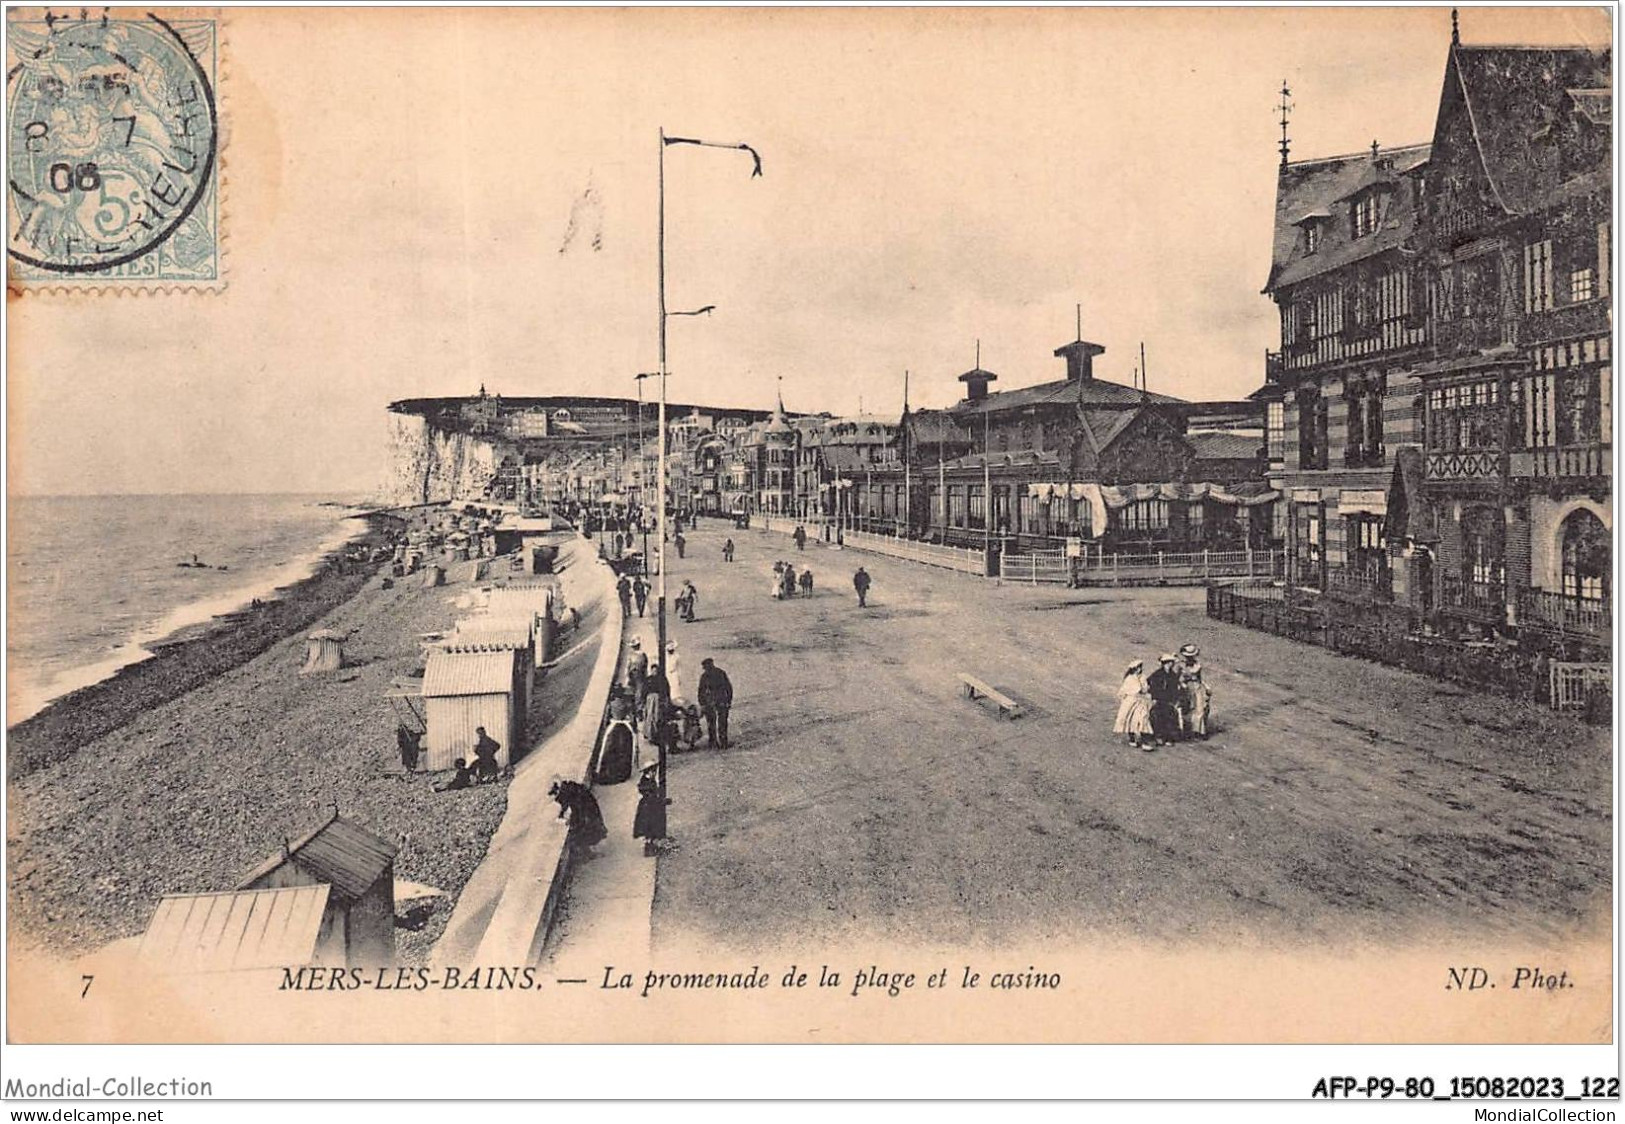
<point x="977" y="689"/>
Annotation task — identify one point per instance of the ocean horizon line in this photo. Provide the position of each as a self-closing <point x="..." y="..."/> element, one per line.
<point x="171" y="495"/>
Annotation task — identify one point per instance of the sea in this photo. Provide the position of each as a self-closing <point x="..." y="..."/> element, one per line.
<point x="93" y="580"/>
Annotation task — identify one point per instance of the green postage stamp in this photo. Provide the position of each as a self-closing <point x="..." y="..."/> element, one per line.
<point x="113" y="129"/>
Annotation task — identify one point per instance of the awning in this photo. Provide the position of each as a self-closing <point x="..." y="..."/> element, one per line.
<point x="1118" y="496"/>
<point x="1087" y="492"/>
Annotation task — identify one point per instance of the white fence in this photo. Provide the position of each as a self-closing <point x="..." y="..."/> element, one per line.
<point x="1052" y="566"/>
<point x="1573" y="683"/>
<point x="1038" y="567"/>
<point x="1191" y="569"/>
<point x="964" y="559"/>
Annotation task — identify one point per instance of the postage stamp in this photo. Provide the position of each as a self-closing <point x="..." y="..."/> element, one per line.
<point x="113" y="148"/>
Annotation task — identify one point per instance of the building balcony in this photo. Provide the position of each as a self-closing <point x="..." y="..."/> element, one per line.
<point x="1461" y="464"/>
<point x="1592" y="619"/>
<point x="1563" y="461"/>
<point x="1483" y="601"/>
<point x="1569" y="320"/>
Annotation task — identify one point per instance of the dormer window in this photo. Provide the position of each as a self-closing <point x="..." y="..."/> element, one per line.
<point x="1314" y="229"/>
<point x="1366" y="214"/>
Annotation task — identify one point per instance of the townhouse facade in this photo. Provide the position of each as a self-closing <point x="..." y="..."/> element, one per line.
<point x="1440" y="410"/>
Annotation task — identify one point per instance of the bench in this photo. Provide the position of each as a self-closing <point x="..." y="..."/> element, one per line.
<point x="977" y="689"/>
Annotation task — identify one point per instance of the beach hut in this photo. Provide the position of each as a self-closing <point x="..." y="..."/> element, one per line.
<point x="463" y="690"/>
<point x="535" y="601"/>
<point x="357" y="868"/>
<point x="433" y="576"/>
<point x="262" y="930"/>
<point x="324" y="651"/>
<point x="516" y="634"/>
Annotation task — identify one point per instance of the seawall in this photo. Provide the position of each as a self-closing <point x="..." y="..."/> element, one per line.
<point x="503" y="914"/>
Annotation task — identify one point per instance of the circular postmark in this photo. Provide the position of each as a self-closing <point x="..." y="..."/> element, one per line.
<point x="113" y="134"/>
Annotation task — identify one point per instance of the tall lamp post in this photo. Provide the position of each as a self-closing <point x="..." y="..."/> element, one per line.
<point x="660" y="507"/>
<point x="643" y="493"/>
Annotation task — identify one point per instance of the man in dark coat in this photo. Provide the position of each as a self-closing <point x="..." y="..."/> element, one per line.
<point x="679" y="542"/>
<point x="860" y="582"/>
<point x="716" y="697"/>
<point x="485" y="755"/>
<point x="623" y="590"/>
<point x="640" y="590"/>
<point x="1165" y="696"/>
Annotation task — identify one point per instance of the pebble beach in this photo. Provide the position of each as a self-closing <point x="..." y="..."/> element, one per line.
<point x="184" y="772"/>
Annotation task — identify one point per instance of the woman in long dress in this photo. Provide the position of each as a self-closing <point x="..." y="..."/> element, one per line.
<point x="1133" y="705"/>
<point x="1196" y="699"/>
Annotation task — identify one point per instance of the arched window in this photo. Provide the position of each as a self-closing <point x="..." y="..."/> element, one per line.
<point x="1586" y="558"/>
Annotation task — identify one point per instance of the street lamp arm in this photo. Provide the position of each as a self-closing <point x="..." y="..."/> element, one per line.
<point x="706" y="311"/>
<point x="754" y="155"/>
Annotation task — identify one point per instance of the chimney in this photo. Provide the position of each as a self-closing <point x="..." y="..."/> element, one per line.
<point x="1080" y="359"/>
<point x="976" y="381"/>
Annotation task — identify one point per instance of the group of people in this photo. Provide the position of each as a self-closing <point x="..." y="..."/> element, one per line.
<point x="639" y="702"/>
<point x="485" y="769"/>
<point x="786" y="579"/>
<point x="1171" y="704"/>
<point x="632" y="589"/>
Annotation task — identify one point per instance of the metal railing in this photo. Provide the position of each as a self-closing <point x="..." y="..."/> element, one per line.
<point x="1370" y="582"/>
<point x="1565" y="460"/>
<point x="1483" y="599"/>
<point x="1541" y="608"/>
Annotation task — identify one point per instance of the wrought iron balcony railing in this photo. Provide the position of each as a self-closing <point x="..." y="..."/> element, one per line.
<point x="1557" y="612"/>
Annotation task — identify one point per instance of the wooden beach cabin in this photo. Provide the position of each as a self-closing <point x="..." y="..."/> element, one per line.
<point x="517" y="634"/>
<point x="358" y="869"/>
<point x="241" y="931"/>
<point x="462" y="690"/>
<point x="535" y="601"/>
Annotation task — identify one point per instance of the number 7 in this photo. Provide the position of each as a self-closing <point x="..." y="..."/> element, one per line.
<point x="88" y="981"/>
<point x="130" y="132"/>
